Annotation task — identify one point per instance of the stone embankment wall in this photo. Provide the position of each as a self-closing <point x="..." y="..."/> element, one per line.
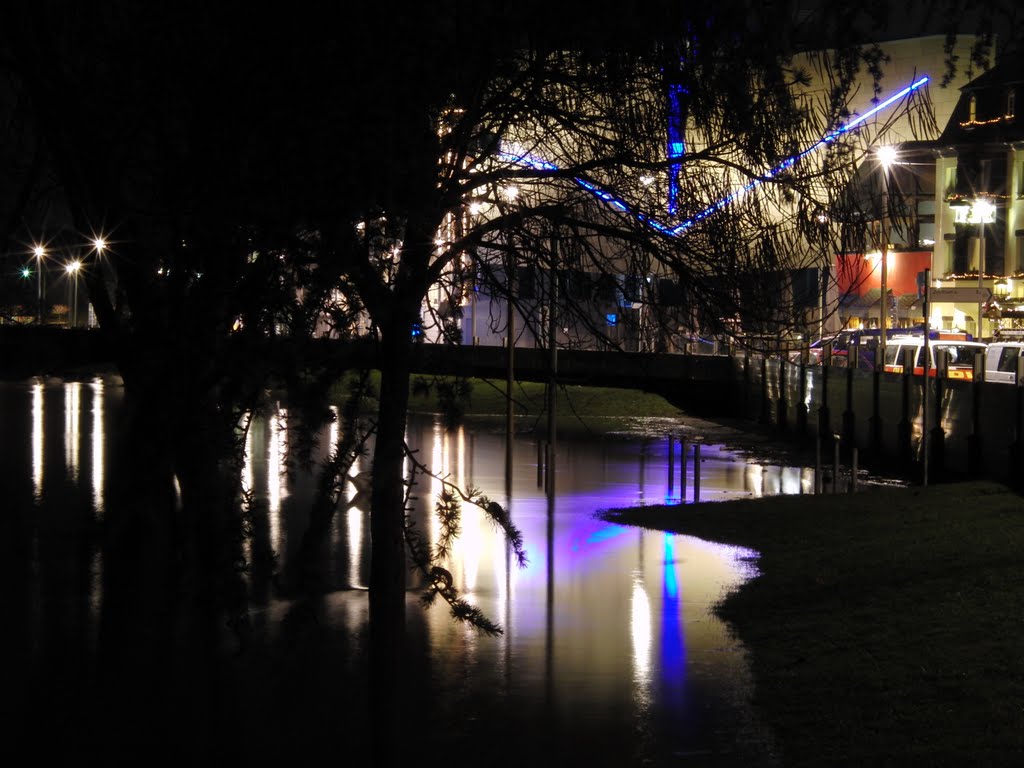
<point x="974" y="427"/>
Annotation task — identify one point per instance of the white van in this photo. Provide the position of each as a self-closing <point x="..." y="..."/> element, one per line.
<point x="1001" y="361"/>
<point x="960" y="355"/>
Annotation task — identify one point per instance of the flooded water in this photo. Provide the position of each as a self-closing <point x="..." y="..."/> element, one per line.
<point x="610" y="652"/>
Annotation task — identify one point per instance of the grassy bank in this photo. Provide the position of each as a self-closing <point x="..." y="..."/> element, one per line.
<point x="594" y="408"/>
<point x="884" y="627"/>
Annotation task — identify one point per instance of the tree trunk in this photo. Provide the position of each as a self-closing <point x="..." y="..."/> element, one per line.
<point x="388" y="564"/>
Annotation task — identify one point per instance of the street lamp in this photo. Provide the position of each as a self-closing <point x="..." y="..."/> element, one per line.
<point x="886" y="156"/>
<point x="39" y="252"/>
<point x="982" y="211"/>
<point x="72" y="269"/>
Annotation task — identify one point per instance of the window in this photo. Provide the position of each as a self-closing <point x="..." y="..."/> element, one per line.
<point x="1008" y="359"/>
<point x="972" y="108"/>
<point x="1011" y="102"/>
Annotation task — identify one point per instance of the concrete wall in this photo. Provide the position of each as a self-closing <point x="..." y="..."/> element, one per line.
<point x="979" y="420"/>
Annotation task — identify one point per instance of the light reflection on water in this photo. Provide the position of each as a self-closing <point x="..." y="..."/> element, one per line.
<point x="607" y="625"/>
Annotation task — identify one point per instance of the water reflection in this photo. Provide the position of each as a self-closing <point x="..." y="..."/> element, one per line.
<point x="37" y="439"/>
<point x="98" y="442"/>
<point x="72" y="417"/>
<point x="609" y="630"/>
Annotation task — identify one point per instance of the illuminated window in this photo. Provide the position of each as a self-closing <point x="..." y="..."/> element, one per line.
<point x="972" y="108"/>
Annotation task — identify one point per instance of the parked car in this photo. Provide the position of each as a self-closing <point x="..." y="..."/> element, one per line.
<point x="960" y="355"/>
<point x="1001" y="361"/>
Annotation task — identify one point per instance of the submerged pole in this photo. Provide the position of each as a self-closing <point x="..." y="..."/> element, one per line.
<point x="696" y="469"/>
<point x="671" y="465"/>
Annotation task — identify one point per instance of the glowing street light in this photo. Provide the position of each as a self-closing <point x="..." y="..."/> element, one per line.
<point x="982" y="211"/>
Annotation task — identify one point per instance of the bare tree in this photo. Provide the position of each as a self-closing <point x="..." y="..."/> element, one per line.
<point x="363" y="172"/>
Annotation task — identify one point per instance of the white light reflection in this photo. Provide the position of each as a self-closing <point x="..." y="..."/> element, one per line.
<point x="792" y="481"/>
<point x="438" y="464"/>
<point x="247" y="478"/>
<point x="37" y="439"/>
<point x="471" y="540"/>
<point x="640" y="630"/>
<point x="354" y="530"/>
<point x="334" y="432"/>
<point x="72" y="414"/>
<point x="277" y="483"/>
<point x="754" y="479"/>
<point x="98" y="442"/>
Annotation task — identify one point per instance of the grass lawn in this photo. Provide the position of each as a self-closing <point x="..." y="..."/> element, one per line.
<point x="883" y="626"/>
<point x="577" y="407"/>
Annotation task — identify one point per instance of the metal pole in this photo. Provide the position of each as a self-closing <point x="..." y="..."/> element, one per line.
<point x="696" y="471"/>
<point x="883" y="315"/>
<point x="671" y="465"/>
<point x="553" y="364"/>
<point x="835" y="463"/>
<point x="981" y="278"/>
<point x="39" y="289"/>
<point x="540" y="463"/>
<point x="510" y="424"/>
<point x="682" y="469"/>
<point x="817" y="463"/>
<point x="925" y="380"/>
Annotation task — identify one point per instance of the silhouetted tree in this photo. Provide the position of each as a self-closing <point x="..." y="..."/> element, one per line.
<point x="258" y="174"/>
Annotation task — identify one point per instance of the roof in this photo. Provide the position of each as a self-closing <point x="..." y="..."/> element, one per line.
<point x="993" y="121"/>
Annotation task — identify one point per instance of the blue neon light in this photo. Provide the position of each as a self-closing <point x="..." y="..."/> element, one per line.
<point x="676" y="144"/>
<point x="679" y="229"/>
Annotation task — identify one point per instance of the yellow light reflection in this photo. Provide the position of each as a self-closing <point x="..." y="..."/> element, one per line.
<point x="754" y="479"/>
<point x="72" y="414"/>
<point x="640" y="630"/>
<point x="37" y="439"/>
<point x="98" y="442"/>
<point x="471" y="541"/>
<point x="461" y="467"/>
<point x="438" y="462"/>
<point x="469" y="546"/>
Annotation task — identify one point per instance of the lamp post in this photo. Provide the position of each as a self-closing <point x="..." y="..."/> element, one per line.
<point x="981" y="211"/>
<point x="39" y="252"/>
<point x="72" y="269"/>
<point x="886" y="156"/>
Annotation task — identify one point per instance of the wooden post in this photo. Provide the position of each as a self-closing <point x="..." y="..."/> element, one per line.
<point x="682" y="470"/>
<point x="696" y="469"/>
<point x="671" y="466"/>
